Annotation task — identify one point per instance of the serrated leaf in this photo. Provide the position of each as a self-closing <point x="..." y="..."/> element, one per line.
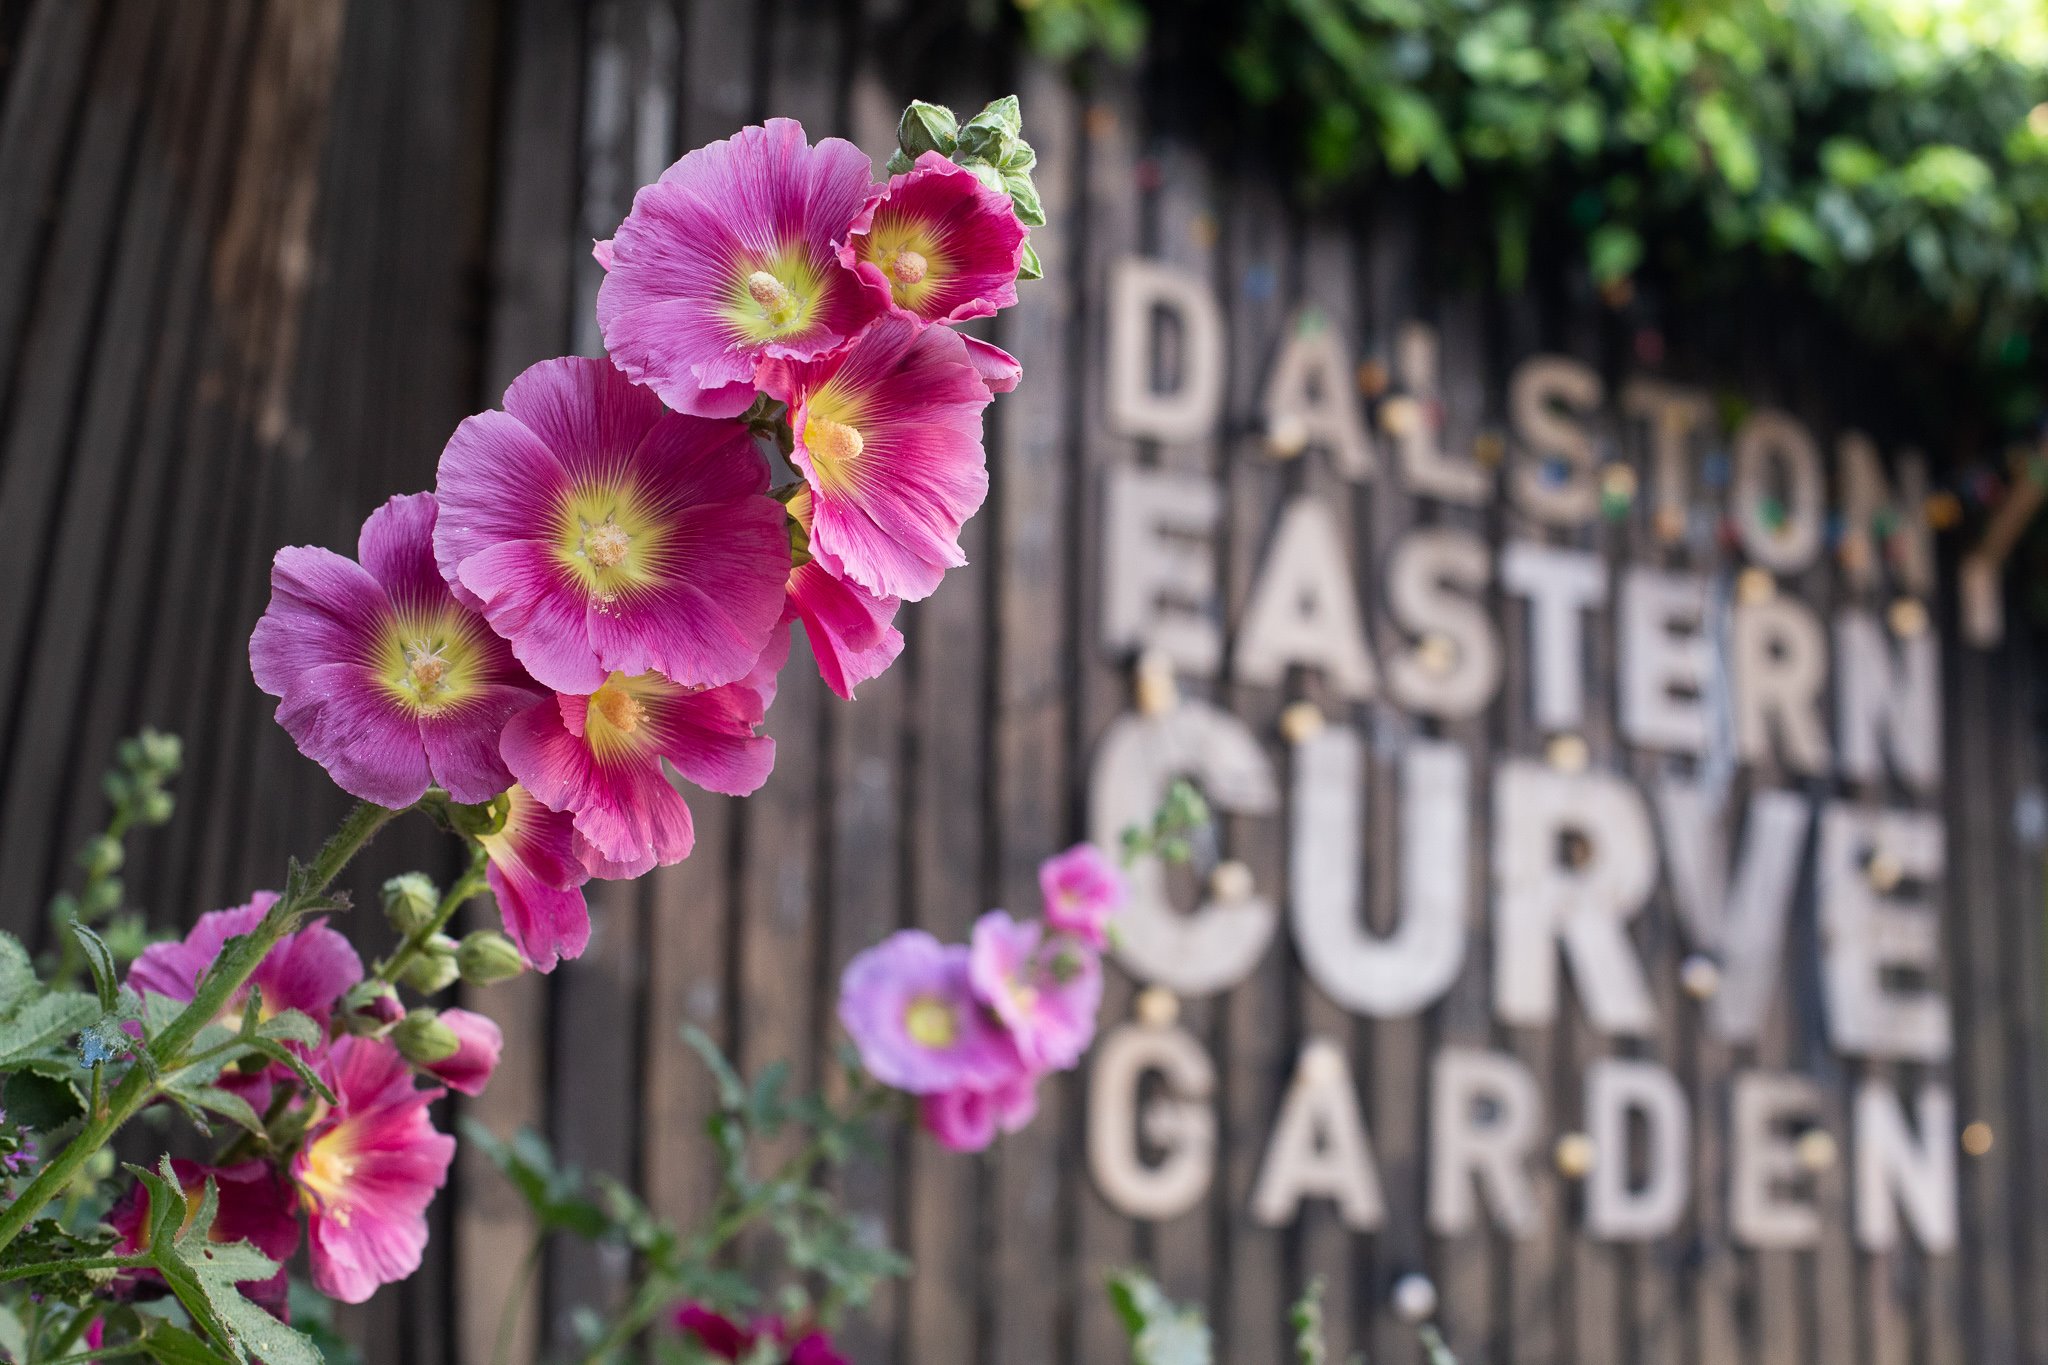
<point x="17" y="972"/>
<point x="43" y="1021"/>
<point x="41" y="1095"/>
<point x="204" y="1276"/>
<point x="99" y="960"/>
<point x="278" y="1052"/>
<point x="169" y="1344"/>
<point x="46" y="1241"/>
<point x="290" y="1026"/>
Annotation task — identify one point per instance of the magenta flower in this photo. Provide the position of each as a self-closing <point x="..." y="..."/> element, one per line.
<point x="909" y="1006"/>
<point x="943" y="245"/>
<point x="368" y="1171"/>
<point x="469" y="1070"/>
<point x="537" y="877"/>
<point x="383" y="678"/>
<point x="724" y="1339"/>
<point x="967" y="1119"/>
<point x="998" y="369"/>
<point x="599" y="757"/>
<point x="256" y="1205"/>
<point x="1083" y="889"/>
<point x="848" y="626"/>
<point x="888" y="436"/>
<point x="1045" y="991"/>
<point x="599" y="534"/>
<point x="730" y="259"/>
<point x="309" y="970"/>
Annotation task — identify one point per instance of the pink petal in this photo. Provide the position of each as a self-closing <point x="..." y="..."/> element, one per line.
<point x="535" y="603"/>
<point x="585" y="411"/>
<point x="368" y="743"/>
<point x="998" y="369"/>
<point x="497" y="482"/>
<point x="481" y="1042"/>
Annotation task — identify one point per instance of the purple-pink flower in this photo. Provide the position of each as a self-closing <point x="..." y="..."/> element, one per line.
<point x="943" y="245"/>
<point x="537" y="878"/>
<point x="967" y="1118"/>
<point x="731" y="258"/>
<point x="998" y="369"/>
<point x="383" y="677"/>
<point x="368" y="1171"/>
<point x="1046" y="990"/>
<point x="888" y="436"/>
<point x="308" y="970"/>
<point x="599" y="534"/>
<point x="909" y="1006"/>
<point x="599" y="757"/>
<point x="481" y="1041"/>
<point x="849" y="628"/>
<point x="722" y="1338"/>
<point x="1083" y="890"/>
<point x="255" y="1205"/>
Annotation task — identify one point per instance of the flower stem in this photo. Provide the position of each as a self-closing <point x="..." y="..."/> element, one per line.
<point x="515" y="1300"/>
<point x="231" y="970"/>
<point x="84" y="1263"/>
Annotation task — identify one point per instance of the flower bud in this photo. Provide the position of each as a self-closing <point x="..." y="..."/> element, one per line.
<point x="157" y="807"/>
<point x="370" y="1007"/>
<point x="926" y="128"/>
<point x="410" y="900"/>
<point x="103" y="899"/>
<point x="434" y="968"/>
<point x="102" y="856"/>
<point x="423" y="1039"/>
<point x="487" y="956"/>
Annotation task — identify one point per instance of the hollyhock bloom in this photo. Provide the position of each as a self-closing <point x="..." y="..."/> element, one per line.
<point x="309" y="970"/>
<point x="256" y="1205"/>
<point x="599" y="757"/>
<point x="1082" y="890"/>
<point x="1045" y="992"/>
<point x="599" y="534"/>
<point x="945" y="246"/>
<point x="998" y="369"/>
<point x="967" y="1119"/>
<point x="724" y="1339"/>
<point x="909" y="1006"/>
<point x="537" y="877"/>
<point x="370" y="1167"/>
<point x="888" y="436"/>
<point x="848" y="626"/>
<point x="730" y="259"/>
<point x="469" y="1070"/>
<point x="383" y="678"/>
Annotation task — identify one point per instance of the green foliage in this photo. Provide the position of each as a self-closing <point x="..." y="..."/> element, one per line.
<point x="1889" y="155"/>
<point x="1305" y="1316"/>
<point x="1162" y="1332"/>
<point x="1182" y="815"/>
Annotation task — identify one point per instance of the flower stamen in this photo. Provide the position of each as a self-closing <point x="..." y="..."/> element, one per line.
<point x="930" y="1023"/>
<point x="832" y="443"/>
<point x="907" y="266"/>
<point x="777" y="302"/>
<point x="426" y="670"/>
<point x="606" y="543"/>
<point x="620" y="709"/>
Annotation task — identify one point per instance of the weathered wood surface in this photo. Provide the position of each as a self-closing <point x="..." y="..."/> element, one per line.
<point x="258" y="257"/>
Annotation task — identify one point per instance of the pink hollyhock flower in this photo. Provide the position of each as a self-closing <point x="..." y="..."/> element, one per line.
<point x="888" y="436"/>
<point x="368" y="1171"/>
<point x="1083" y="889"/>
<point x="848" y="626"/>
<point x="469" y="1070"/>
<point x="600" y="534"/>
<point x="909" y="1006"/>
<point x="724" y="1339"/>
<point x="256" y="1205"/>
<point x="730" y="259"/>
<point x="309" y="970"/>
<point x="998" y="369"/>
<point x="599" y="757"/>
<point x="1045" y="992"/>
<point x="943" y="245"/>
<point x="967" y="1119"/>
<point x="537" y="877"/>
<point x="383" y="678"/>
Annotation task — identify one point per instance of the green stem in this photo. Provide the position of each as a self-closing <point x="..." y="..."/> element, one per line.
<point x="24" y="1272"/>
<point x="230" y="972"/>
<point x="126" y="1348"/>
<point x="74" y="1329"/>
<point x="468" y="885"/>
<point x="515" y="1300"/>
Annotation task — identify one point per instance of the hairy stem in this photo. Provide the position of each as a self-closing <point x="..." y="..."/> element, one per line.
<point x="237" y="962"/>
<point x="467" y="886"/>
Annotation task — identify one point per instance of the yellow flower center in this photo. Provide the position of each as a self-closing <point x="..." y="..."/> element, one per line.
<point x="930" y="1022"/>
<point x="330" y="1166"/>
<point x="831" y="443"/>
<point x="612" y="538"/>
<point x="775" y="294"/>
<point x="910" y="254"/>
<point x="425" y="668"/>
<point x="619" y="720"/>
<point x="428" y="663"/>
<point x="605" y="544"/>
<point x="618" y="708"/>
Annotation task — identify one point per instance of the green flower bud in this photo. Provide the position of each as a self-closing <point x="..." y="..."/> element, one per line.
<point x="410" y="900"/>
<point x="103" y="899"/>
<point x="156" y="808"/>
<point x="423" y="1039"/>
<point x="164" y="753"/>
<point x="434" y="968"/>
<point x="487" y="956"/>
<point x="102" y="856"/>
<point x="926" y="128"/>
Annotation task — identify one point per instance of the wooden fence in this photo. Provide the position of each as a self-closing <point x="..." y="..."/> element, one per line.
<point x="258" y="259"/>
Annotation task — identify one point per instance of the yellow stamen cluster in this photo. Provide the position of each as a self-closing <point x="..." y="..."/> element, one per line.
<point x="606" y="543"/>
<point x="832" y="442"/>
<point x="907" y="266"/>
<point x="778" y="303"/>
<point x="930" y="1023"/>
<point x="426" y="669"/>
<point x="620" y="709"/>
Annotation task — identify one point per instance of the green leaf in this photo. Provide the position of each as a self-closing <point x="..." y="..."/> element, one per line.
<point x="732" y="1091"/>
<point x="43" y="1021"/>
<point x="42" y="1095"/>
<point x="224" y="1103"/>
<point x="204" y="1275"/>
<point x="13" y="1336"/>
<point x="278" y="1052"/>
<point x="17" y="973"/>
<point x="1161" y="1331"/>
<point x="290" y="1026"/>
<point x="99" y="959"/>
<point x="1028" y="267"/>
<point x="47" y="1241"/>
<point x="170" y="1344"/>
<point x="556" y="1194"/>
<point x="1024" y="198"/>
